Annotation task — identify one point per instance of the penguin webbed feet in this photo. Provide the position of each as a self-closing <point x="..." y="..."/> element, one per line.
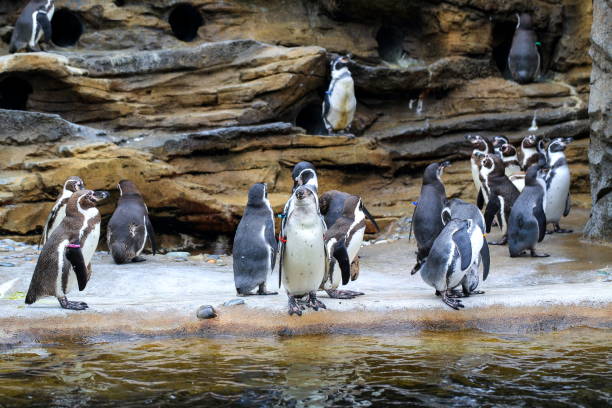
<point x="294" y="307"/>
<point x="558" y="230"/>
<point x="343" y="294"/>
<point x="139" y="259"/>
<point x="502" y="241"/>
<point x="315" y="303"/>
<point x="66" y="304"/>
<point x="451" y="302"/>
<point x="263" y="292"/>
<point x="534" y="254"/>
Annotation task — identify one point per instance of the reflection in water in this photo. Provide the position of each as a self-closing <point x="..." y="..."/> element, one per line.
<point x="438" y="369"/>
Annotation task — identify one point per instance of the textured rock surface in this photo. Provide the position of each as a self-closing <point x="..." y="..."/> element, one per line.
<point x="194" y="123"/>
<point x="599" y="226"/>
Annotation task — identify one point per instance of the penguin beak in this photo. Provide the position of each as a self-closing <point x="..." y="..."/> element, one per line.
<point x="100" y="195"/>
<point x="568" y="140"/>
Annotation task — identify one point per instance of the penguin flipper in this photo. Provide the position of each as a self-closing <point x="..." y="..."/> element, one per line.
<point x="463" y="242"/>
<point x="151" y="234"/>
<point x="367" y="214"/>
<point x="75" y="256"/>
<point x="486" y="258"/>
<point x="480" y="199"/>
<point x="540" y="216"/>
<point x="492" y="209"/>
<point x="271" y="240"/>
<point x="342" y="257"/>
<point x="43" y="20"/>
<point x="568" y="205"/>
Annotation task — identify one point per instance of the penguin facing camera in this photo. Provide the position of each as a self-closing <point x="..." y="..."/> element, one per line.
<point x="426" y="220"/>
<point x="65" y="260"/>
<point x="254" y="250"/>
<point x="558" y="180"/>
<point x="33" y="22"/>
<point x="524" y="58"/>
<point x="58" y="212"/>
<point x="527" y="223"/>
<point x="480" y="147"/>
<point x="303" y="255"/>
<point x="129" y="227"/>
<point x="531" y="152"/>
<point x="339" y="104"/>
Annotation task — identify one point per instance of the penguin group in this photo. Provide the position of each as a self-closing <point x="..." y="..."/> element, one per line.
<point x="71" y="235"/>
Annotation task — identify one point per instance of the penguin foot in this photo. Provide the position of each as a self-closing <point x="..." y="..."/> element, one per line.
<point x="315" y="303"/>
<point x="453" y="303"/>
<point x="534" y="254"/>
<point x="502" y="241"/>
<point x="263" y="292"/>
<point x="558" y="230"/>
<point x="456" y="293"/>
<point x="294" y="308"/>
<point x="343" y="294"/>
<point x="477" y="292"/>
<point x="66" y="304"/>
<point x="139" y="259"/>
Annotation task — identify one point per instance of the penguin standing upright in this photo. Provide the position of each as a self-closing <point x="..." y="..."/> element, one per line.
<point x="524" y="58"/>
<point x="530" y="153"/>
<point x="456" y="250"/>
<point x="129" y="227"/>
<point x="510" y="157"/>
<point x="339" y="103"/>
<point x="66" y="256"/>
<point x="502" y="194"/>
<point x="254" y="250"/>
<point x="527" y="223"/>
<point x="33" y="22"/>
<point x="58" y="212"/>
<point x="426" y="220"/>
<point x="303" y="256"/>
<point x="481" y="146"/>
<point x="557" y="184"/>
<point x="498" y="142"/>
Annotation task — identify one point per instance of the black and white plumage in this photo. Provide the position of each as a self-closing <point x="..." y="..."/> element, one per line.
<point x="426" y="220"/>
<point x="456" y="250"/>
<point x="531" y="152"/>
<point x="65" y="259"/>
<point x="58" y="212"/>
<point x="304" y="173"/>
<point x="129" y="228"/>
<point x="254" y="250"/>
<point x="558" y="180"/>
<point x="524" y="58"/>
<point x="527" y="223"/>
<point x="481" y="146"/>
<point x="498" y="142"/>
<point x="509" y="156"/>
<point x="33" y="22"/>
<point x="339" y="104"/>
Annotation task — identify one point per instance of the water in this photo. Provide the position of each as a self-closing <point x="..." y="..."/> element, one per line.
<point x="566" y="368"/>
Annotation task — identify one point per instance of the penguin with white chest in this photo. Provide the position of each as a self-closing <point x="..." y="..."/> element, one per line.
<point x="509" y="156"/>
<point x="254" y="250"/>
<point x="530" y="152"/>
<point x="339" y="104"/>
<point x="129" y="228"/>
<point x="65" y="259"/>
<point x="303" y="256"/>
<point x="557" y="184"/>
<point x="456" y="250"/>
<point x="524" y="58"/>
<point x="527" y="223"/>
<point x="58" y="212"/>
<point x="33" y="22"/>
<point x="481" y="146"/>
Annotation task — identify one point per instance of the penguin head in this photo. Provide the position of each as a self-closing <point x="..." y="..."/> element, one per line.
<point x="340" y="63"/>
<point x="492" y="164"/>
<point x="433" y="172"/>
<point x="507" y="150"/>
<point x="305" y="195"/>
<point x="83" y="200"/>
<point x="304" y="173"/>
<point x="499" y="141"/>
<point x="534" y="172"/>
<point x="127" y="187"/>
<point x="559" y="144"/>
<point x="258" y="195"/>
<point x="524" y="22"/>
<point x="446" y="215"/>
<point x="351" y="205"/>
<point x="478" y="143"/>
<point x="74" y="183"/>
<point x="529" y="141"/>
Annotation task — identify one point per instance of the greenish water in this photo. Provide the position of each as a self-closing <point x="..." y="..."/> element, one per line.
<point x="566" y="368"/>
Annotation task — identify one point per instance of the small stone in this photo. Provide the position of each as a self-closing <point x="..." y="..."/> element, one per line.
<point x="206" y="312"/>
<point x="197" y="258"/>
<point x="178" y="254"/>
<point x="211" y="261"/>
<point x="234" y="302"/>
<point x="7" y="264"/>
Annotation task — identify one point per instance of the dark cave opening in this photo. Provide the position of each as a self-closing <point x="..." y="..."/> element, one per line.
<point x="66" y="28"/>
<point x="310" y="118"/>
<point x="390" y="43"/>
<point x="503" y="32"/>
<point x="185" y="20"/>
<point x="14" y="93"/>
<point x="119" y="3"/>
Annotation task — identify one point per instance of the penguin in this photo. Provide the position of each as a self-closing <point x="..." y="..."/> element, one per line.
<point x="530" y="152"/>
<point x="524" y="58"/>
<point x="304" y="173"/>
<point x="498" y="142"/>
<point x="481" y="146"/>
<point x="254" y="250"/>
<point x="303" y="255"/>
<point x="339" y="103"/>
<point x="455" y="251"/>
<point x="58" y="212"/>
<point x="33" y="22"/>
<point x="129" y="227"/>
<point x="459" y="209"/>
<point x="66" y="256"/>
<point x="502" y="194"/>
<point x="513" y="168"/>
<point x="426" y="220"/>
<point x="527" y="223"/>
<point x="557" y="184"/>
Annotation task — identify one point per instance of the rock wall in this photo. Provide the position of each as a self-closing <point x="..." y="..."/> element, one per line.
<point x="599" y="226"/>
<point x="196" y="101"/>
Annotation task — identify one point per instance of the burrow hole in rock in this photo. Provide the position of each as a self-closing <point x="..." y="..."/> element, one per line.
<point x="14" y="93"/>
<point x="503" y="32"/>
<point x="119" y="3"/>
<point x="66" y="28"/>
<point x="185" y="20"/>
<point x="310" y="118"/>
<point x="390" y="43"/>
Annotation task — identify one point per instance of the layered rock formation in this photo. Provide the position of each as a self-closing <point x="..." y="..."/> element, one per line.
<point x="197" y="101"/>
